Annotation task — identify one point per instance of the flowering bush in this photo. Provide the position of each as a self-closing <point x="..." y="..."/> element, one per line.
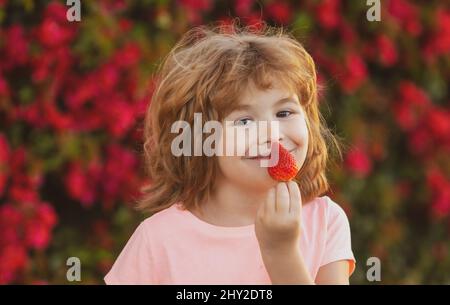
<point x="73" y="96"/>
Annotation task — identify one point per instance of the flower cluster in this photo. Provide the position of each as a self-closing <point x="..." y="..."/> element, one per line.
<point x="26" y="222"/>
<point x="73" y="96"/>
<point x="64" y="122"/>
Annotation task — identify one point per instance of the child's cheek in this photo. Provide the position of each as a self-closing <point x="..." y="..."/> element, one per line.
<point x="298" y="130"/>
<point x="236" y="141"/>
<point x="301" y="139"/>
<point x="228" y="142"/>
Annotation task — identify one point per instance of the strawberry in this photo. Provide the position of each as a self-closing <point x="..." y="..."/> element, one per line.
<point x="286" y="168"/>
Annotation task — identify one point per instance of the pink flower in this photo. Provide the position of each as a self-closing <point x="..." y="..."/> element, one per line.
<point x="440" y="187"/>
<point x="354" y="74"/>
<point x="52" y="34"/>
<point x="87" y="120"/>
<point x="54" y="30"/>
<point x="10" y="222"/>
<point x="22" y="193"/>
<point x="83" y="91"/>
<point x="128" y="56"/>
<point x="419" y="141"/>
<point x="55" y="118"/>
<point x="439" y="123"/>
<point x="439" y="41"/>
<point x="254" y="21"/>
<point x="15" y="48"/>
<point x="4" y="87"/>
<point x="18" y="158"/>
<point x="31" y="114"/>
<point x="226" y="23"/>
<point x="404" y="116"/>
<point x="37" y="234"/>
<point x="108" y="76"/>
<point x="407" y="15"/>
<point x="441" y="202"/>
<point x="46" y="214"/>
<point x="195" y="8"/>
<point x="112" y="6"/>
<point x="387" y="51"/>
<point x="325" y="61"/>
<point x="412" y="104"/>
<point x="10" y="216"/>
<point x="347" y="32"/>
<point x="442" y="42"/>
<point x="4" y="161"/>
<point x="200" y="5"/>
<point x="11" y="234"/>
<point x="119" y="177"/>
<point x="64" y="61"/>
<point x="25" y="224"/>
<point x="328" y="14"/>
<point x="24" y="187"/>
<point x="56" y="11"/>
<point x="125" y="24"/>
<point x="410" y="93"/>
<point x="82" y="184"/>
<point x="279" y="12"/>
<point x="41" y="66"/>
<point x="358" y="162"/>
<point x="243" y="7"/>
<point x="13" y="258"/>
<point x="435" y="179"/>
<point x="119" y="116"/>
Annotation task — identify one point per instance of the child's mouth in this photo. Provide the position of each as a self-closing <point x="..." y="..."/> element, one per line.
<point x="257" y="158"/>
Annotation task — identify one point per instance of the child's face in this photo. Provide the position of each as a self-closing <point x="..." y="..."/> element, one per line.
<point x="258" y="106"/>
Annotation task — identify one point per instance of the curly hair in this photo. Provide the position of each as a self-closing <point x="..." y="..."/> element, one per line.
<point x="206" y="72"/>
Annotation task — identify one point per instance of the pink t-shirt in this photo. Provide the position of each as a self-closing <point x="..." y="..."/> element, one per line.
<point x="174" y="246"/>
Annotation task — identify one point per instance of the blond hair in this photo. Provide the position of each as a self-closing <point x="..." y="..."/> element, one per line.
<point x="206" y="72"/>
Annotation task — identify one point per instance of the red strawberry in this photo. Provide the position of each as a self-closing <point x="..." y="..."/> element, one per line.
<point x="286" y="168"/>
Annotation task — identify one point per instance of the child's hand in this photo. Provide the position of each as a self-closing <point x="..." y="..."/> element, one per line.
<point x="278" y="220"/>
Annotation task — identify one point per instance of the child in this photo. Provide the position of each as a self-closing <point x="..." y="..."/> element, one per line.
<point x="223" y="219"/>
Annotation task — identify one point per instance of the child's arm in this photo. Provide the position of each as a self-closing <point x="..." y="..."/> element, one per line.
<point x="335" y="273"/>
<point x="286" y="267"/>
<point x="278" y="227"/>
<point x="289" y="268"/>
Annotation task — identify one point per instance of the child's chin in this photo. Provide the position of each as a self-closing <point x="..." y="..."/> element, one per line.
<point x="260" y="178"/>
<point x="264" y="182"/>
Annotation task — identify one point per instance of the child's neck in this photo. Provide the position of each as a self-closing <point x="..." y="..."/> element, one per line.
<point x="232" y="206"/>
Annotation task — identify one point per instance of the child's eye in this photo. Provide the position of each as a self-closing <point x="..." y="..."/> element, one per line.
<point x="242" y="122"/>
<point x="284" y="114"/>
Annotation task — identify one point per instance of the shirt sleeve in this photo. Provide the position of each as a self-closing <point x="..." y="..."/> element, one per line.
<point x="134" y="265"/>
<point x="338" y="242"/>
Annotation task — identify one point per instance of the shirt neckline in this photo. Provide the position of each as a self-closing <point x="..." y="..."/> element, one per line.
<point x="246" y="230"/>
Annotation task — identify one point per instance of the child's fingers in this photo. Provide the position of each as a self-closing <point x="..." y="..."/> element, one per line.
<point x="282" y="205"/>
<point x="269" y="205"/>
<point x="295" y="198"/>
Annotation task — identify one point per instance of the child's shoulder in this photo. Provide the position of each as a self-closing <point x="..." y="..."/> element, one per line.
<point x="327" y="207"/>
<point x="162" y="220"/>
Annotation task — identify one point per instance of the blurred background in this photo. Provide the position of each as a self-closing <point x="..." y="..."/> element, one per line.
<point x="73" y="96"/>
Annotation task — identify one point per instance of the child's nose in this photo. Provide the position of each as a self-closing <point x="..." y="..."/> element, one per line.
<point x="269" y="133"/>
